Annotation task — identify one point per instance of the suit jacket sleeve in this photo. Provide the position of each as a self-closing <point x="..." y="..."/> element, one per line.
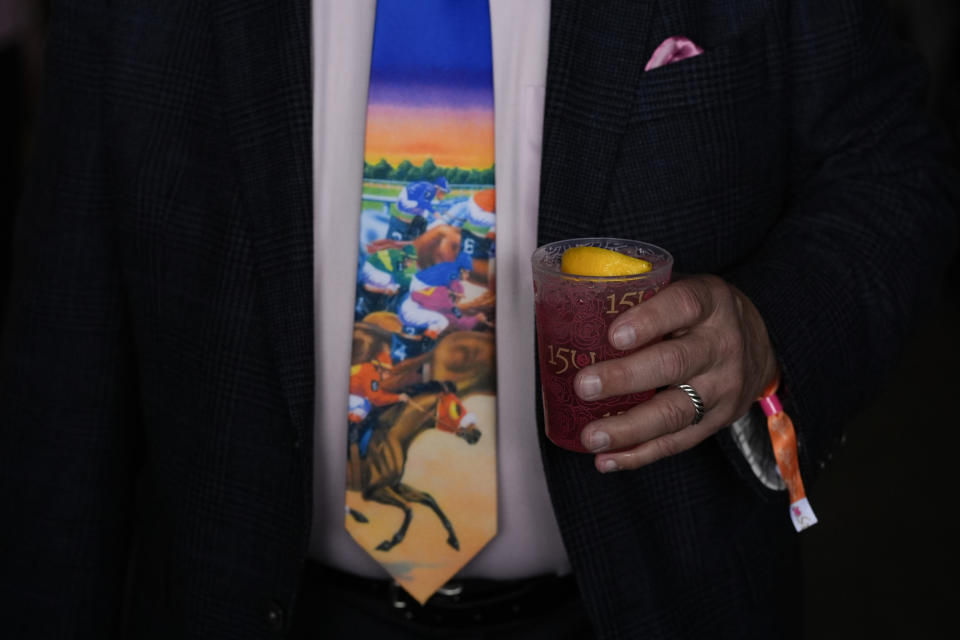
<point x="66" y="426"/>
<point x="868" y="223"/>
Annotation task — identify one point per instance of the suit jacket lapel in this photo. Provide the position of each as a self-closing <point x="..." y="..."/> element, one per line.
<point x="596" y="58"/>
<point x="264" y="59"/>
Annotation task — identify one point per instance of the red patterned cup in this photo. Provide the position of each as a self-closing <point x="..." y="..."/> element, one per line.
<point x="573" y="316"/>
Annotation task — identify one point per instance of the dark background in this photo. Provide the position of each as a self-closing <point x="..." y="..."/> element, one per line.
<point x="883" y="561"/>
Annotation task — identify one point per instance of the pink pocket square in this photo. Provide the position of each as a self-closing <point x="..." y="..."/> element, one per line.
<point x="673" y="49"/>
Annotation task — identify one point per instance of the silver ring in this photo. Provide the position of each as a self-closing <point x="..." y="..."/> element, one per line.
<point x="696" y="399"/>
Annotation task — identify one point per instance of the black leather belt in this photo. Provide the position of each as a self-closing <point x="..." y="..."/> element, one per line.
<point x="461" y="602"/>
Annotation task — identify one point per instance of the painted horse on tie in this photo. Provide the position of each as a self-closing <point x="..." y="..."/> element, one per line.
<point x="379" y="475"/>
<point x="462" y="357"/>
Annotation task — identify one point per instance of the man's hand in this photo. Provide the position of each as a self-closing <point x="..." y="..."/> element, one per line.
<point x="713" y="339"/>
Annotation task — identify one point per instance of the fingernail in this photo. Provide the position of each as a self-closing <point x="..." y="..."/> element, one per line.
<point x="623" y="337"/>
<point x="608" y="465"/>
<point x="590" y="386"/>
<point x="598" y="440"/>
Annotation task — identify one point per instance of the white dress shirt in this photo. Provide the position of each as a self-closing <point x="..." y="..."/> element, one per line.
<point x="528" y="541"/>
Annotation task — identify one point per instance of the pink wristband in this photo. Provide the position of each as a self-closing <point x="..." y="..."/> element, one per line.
<point x="771" y="405"/>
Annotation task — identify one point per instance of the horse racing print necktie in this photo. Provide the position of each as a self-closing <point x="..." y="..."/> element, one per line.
<point x="421" y="445"/>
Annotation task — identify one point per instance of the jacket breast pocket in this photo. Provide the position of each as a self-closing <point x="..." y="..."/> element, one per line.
<point x="703" y="150"/>
<point x="727" y="73"/>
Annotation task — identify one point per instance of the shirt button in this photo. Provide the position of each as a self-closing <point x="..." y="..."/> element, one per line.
<point x="275" y="616"/>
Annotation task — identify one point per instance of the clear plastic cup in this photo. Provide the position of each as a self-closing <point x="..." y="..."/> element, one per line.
<point x="573" y="316"/>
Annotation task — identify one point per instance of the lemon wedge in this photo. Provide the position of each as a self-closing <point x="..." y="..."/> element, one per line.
<point x="594" y="261"/>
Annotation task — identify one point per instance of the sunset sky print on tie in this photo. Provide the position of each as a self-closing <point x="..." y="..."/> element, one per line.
<point x="431" y="91"/>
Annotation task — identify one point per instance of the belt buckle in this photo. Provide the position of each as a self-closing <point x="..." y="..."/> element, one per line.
<point x="400" y="600"/>
<point x="451" y="589"/>
<point x="394" y="593"/>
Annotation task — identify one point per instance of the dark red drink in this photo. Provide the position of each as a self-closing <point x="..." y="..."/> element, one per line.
<point x="573" y="317"/>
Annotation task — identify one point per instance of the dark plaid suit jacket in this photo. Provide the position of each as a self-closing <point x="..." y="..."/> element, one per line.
<point x="156" y="390"/>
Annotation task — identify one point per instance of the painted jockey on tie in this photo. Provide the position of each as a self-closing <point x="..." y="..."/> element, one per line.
<point x="431" y="305"/>
<point x="408" y="219"/>
<point x="384" y="279"/>
<point x="478" y="230"/>
<point x="367" y="398"/>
